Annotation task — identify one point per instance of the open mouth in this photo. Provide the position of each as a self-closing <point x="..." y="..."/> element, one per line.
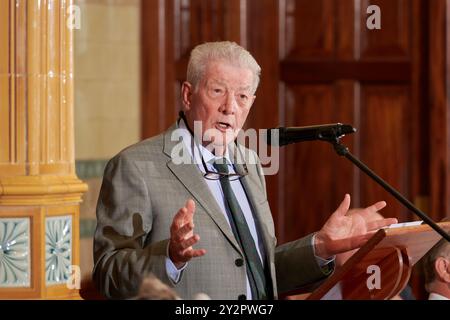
<point x="223" y="126"/>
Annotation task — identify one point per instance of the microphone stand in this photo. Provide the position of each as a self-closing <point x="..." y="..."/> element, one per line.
<point x="344" y="151"/>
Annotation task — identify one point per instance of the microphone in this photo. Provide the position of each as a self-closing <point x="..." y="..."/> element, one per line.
<point x="327" y="132"/>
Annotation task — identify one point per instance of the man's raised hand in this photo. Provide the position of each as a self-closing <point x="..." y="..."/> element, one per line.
<point x="182" y="236"/>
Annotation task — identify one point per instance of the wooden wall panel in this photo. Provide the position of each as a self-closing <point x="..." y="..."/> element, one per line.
<point x="313" y="170"/>
<point x="377" y="68"/>
<point x="317" y="30"/>
<point x="419" y="107"/>
<point x="262" y="41"/>
<point x="439" y="83"/>
<point x="311" y="25"/>
<point x="385" y="142"/>
<point x="153" y="83"/>
<point x="393" y="40"/>
<point x="345" y="23"/>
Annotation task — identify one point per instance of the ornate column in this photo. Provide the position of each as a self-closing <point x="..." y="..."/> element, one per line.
<point x="39" y="190"/>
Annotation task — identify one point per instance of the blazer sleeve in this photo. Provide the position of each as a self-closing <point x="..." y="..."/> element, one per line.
<point x="296" y="266"/>
<point x="124" y="218"/>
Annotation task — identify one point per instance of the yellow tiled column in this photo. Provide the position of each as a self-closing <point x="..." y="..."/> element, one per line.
<point x="39" y="190"/>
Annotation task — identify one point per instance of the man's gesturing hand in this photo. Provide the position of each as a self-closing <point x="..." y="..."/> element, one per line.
<point x="346" y="230"/>
<point x="182" y="236"/>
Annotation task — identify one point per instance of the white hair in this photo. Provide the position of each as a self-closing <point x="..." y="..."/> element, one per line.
<point x="228" y="51"/>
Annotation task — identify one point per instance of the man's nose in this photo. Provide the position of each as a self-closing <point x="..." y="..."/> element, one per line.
<point x="230" y="104"/>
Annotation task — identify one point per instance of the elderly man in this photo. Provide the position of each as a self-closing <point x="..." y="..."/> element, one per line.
<point x="437" y="271"/>
<point x="186" y="187"/>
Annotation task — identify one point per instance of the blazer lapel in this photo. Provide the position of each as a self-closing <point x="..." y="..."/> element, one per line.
<point x="190" y="176"/>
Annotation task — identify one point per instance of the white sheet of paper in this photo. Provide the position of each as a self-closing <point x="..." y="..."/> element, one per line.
<point x="405" y="224"/>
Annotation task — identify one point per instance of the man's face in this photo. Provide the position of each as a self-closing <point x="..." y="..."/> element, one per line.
<point x="221" y="101"/>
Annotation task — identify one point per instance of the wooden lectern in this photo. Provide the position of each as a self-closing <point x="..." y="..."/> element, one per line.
<point x="389" y="255"/>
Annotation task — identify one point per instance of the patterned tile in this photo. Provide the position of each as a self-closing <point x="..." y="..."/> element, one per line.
<point x="58" y="249"/>
<point x="15" y="252"/>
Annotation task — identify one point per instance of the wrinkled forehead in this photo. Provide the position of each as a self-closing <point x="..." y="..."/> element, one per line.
<point x="228" y="74"/>
<point x="217" y="82"/>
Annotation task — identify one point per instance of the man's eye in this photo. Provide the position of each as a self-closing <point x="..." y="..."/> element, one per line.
<point x="218" y="91"/>
<point x="243" y="98"/>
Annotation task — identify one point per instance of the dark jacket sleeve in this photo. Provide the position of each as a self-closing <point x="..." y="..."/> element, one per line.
<point x="296" y="265"/>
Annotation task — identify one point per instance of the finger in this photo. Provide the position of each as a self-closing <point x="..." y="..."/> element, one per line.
<point x="190" y="205"/>
<point x="377" y="206"/>
<point x="375" y="225"/>
<point x="190" y="209"/>
<point x="182" y="232"/>
<point x="180" y="215"/>
<point x="189" y="254"/>
<point x="178" y="218"/>
<point x="189" y="242"/>
<point x="344" y="245"/>
<point x="359" y="241"/>
<point x="344" y="206"/>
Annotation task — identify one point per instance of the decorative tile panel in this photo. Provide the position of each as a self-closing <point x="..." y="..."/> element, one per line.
<point x="14" y="252"/>
<point x="58" y="249"/>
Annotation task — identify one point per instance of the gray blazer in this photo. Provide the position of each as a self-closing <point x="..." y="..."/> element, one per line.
<point x="141" y="192"/>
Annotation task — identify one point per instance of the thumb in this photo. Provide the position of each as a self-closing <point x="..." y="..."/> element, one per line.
<point x="344" y="206"/>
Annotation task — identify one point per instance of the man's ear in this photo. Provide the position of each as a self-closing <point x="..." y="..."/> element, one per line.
<point x="186" y="95"/>
<point x="442" y="269"/>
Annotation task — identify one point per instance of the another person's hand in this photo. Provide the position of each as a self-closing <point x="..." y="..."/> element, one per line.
<point x="343" y="232"/>
<point x="182" y="236"/>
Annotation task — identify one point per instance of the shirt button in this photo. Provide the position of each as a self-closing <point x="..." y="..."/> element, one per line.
<point x="242" y="297"/>
<point x="239" y="262"/>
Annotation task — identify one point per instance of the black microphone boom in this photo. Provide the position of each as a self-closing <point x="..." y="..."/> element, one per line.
<point x="326" y="132"/>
